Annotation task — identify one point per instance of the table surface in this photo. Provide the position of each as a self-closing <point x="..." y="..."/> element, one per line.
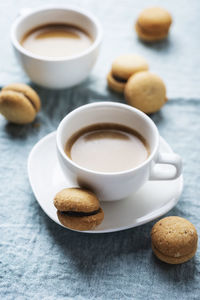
<point x="41" y="260"/>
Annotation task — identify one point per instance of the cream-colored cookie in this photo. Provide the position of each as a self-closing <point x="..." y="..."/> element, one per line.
<point x="153" y="24"/>
<point x="174" y="240"/>
<point x="145" y="91"/>
<point x="78" y="209"/>
<point x="19" y="103"/>
<point x="122" y="68"/>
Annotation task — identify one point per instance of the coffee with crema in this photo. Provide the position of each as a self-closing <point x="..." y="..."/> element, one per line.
<point x="107" y="148"/>
<point x="56" y="40"/>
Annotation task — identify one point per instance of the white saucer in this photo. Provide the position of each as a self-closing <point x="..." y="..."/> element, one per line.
<point x="153" y="200"/>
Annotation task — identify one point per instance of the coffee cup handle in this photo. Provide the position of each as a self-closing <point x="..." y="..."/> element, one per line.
<point x="169" y="159"/>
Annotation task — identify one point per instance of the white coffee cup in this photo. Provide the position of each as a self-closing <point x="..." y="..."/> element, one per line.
<point x="61" y="72"/>
<point x="115" y="186"/>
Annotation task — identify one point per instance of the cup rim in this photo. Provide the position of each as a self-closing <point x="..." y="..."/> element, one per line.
<point x="84" y="12"/>
<point x="97" y="104"/>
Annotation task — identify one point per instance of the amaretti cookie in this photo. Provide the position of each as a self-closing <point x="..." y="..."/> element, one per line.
<point x="153" y="24"/>
<point x="145" y="91"/>
<point x="78" y="209"/>
<point x="174" y="240"/>
<point x="19" y="103"/>
<point x="122" y="68"/>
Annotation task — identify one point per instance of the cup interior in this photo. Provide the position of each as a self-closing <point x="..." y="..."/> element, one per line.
<point x="70" y="16"/>
<point x="107" y="112"/>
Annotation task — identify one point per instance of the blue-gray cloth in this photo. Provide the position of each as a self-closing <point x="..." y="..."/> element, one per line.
<point x="41" y="260"/>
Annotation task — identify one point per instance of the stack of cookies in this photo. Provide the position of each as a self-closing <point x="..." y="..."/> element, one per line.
<point x="142" y="89"/>
<point x="122" y="68"/>
<point x="129" y="73"/>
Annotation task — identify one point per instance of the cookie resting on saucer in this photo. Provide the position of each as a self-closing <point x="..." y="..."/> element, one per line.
<point x="78" y="209"/>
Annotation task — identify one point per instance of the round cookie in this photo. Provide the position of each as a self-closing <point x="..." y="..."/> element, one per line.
<point x="174" y="240"/>
<point x="145" y="91"/>
<point x="153" y="24"/>
<point x="19" y="103"/>
<point x="78" y="208"/>
<point x="122" y="68"/>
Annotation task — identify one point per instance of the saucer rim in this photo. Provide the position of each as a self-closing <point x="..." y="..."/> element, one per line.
<point x="143" y="220"/>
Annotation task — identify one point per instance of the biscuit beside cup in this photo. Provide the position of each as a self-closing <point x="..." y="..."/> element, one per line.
<point x="78" y="209"/>
<point x="19" y="103"/>
<point x="174" y="240"/>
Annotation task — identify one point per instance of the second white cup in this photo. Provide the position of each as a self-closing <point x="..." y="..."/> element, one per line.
<point x="61" y="72"/>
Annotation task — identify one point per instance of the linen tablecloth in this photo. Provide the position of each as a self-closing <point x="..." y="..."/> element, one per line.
<point x="41" y="260"/>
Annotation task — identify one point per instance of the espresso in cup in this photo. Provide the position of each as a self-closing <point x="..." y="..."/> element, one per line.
<point x="56" y="40"/>
<point x="107" y="148"/>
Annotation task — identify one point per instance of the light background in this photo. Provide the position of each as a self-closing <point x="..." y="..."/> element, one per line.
<point x="39" y="259"/>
